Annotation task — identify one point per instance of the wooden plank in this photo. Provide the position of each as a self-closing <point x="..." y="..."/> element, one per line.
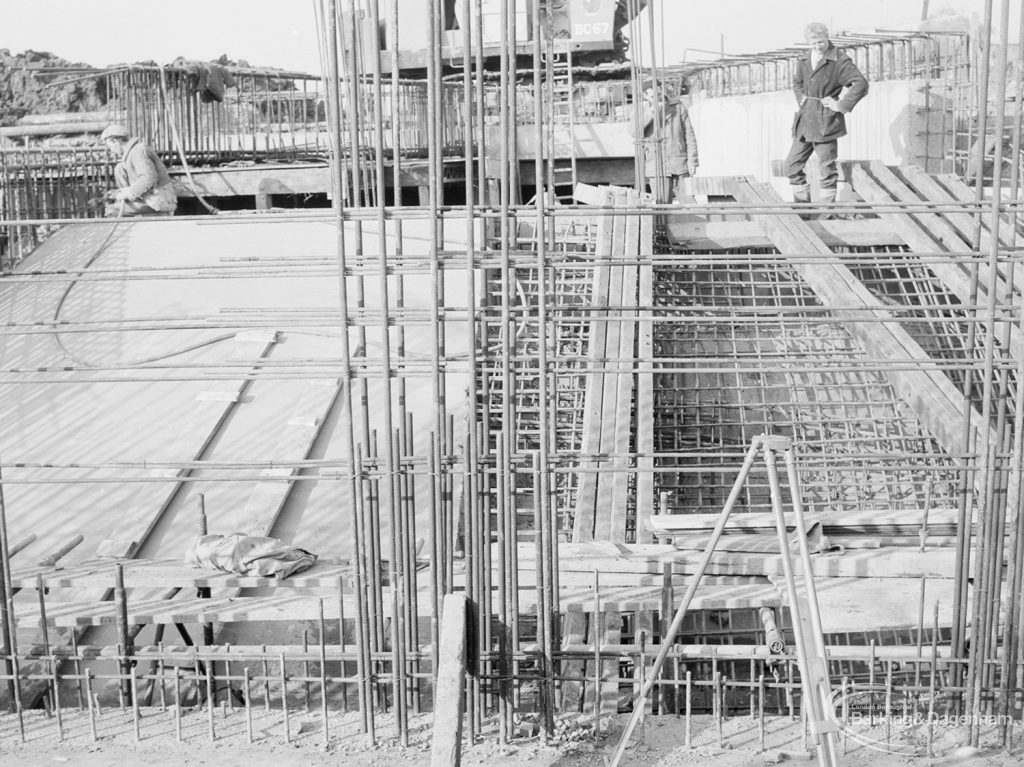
<point x="645" y="501"/>
<point x="831" y="576"/>
<point x="937" y="226"/>
<point x="642" y="574"/>
<point x="910" y="519"/>
<point x="700" y="236"/>
<point x="586" y="491"/>
<point x="610" y="396"/>
<point x="633" y="599"/>
<point x="963" y="223"/>
<point x="930" y="189"/>
<point x="742" y="566"/>
<point x="446" y="741"/>
<point x="644" y="625"/>
<point x="916" y="236"/>
<point x="574" y="632"/>
<point x="863" y="563"/>
<point x="185" y="655"/>
<point x="769" y="543"/>
<point x="172" y="573"/>
<point x="926" y="390"/>
<point x="616" y="510"/>
<point x="609" y="693"/>
<point x="961" y="192"/>
<point x="956" y="276"/>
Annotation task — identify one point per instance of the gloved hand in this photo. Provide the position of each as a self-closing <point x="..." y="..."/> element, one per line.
<point x="830" y="103"/>
<point x="121" y="195"/>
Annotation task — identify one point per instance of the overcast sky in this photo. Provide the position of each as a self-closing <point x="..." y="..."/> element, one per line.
<point x="283" y="34"/>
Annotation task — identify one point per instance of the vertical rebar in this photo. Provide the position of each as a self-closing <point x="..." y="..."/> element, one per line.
<point x="7" y="621"/>
<point x="177" y="703"/>
<point x="92" y="709"/>
<point x="284" y="699"/>
<point x="348" y="443"/>
<point x="126" y="644"/>
<point x="990" y="533"/>
<point x="55" y="680"/>
<point x="247" y="691"/>
<point x="323" y="675"/>
<point x="211" y="693"/>
<point x="967" y="477"/>
<point x="135" y="704"/>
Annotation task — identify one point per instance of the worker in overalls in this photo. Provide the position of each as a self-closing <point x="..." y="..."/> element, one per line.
<point x="144" y="187"/>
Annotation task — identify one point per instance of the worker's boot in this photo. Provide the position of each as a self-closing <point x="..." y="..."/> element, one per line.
<point x="801" y="194"/>
<point x="828" y="196"/>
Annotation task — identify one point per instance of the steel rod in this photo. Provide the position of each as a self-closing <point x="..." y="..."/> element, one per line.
<point x="684" y="605"/>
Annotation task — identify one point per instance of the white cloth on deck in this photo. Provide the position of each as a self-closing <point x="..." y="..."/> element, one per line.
<point x="248" y="555"/>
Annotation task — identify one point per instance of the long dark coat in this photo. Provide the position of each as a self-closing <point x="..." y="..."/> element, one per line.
<point x="835" y="71"/>
<point x="678" y="142"/>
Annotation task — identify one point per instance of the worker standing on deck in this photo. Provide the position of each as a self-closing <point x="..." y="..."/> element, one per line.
<point x="827" y="85"/>
<point x="670" y="146"/>
<point x="144" y="188"/>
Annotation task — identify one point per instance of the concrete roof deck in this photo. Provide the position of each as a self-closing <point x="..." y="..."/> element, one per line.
<point x="160" y="327"/>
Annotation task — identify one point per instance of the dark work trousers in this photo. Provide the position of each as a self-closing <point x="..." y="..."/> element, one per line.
<point x="800" y="152"/>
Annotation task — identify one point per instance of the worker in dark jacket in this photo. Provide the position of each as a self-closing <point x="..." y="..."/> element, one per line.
<point x="670" y="146"/>
<point x="144" y="188"/>
<point x="827" y="85"/>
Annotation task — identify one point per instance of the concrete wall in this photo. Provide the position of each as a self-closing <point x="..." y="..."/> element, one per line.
<point x="899" y="122"/>
<point x="741" y="135"/>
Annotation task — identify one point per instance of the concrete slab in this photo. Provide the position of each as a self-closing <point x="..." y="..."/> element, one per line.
<point x="148" y="312"/>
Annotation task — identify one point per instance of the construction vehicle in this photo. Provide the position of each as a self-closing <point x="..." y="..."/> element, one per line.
<point x="593" y="28"/>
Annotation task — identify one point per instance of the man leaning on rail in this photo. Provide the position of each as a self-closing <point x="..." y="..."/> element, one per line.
<point x="144" y="188"/>
<point x="827" y="85"/>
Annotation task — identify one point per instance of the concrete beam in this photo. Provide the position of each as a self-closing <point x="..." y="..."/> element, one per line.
<point x="446" y="745"/>
<point x="300" y="178"/>
<point x="53" y="129"/>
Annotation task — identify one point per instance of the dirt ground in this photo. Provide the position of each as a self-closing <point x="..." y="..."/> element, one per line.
<point x="660" y="744"/>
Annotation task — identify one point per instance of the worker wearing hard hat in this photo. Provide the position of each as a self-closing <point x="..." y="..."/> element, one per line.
<point x="144" y="188"/>
<point x="827" y="85"/>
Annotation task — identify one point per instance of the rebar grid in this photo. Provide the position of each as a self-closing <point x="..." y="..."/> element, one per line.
<point x="835" y="415"/>
<point x="731" y="680"/>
